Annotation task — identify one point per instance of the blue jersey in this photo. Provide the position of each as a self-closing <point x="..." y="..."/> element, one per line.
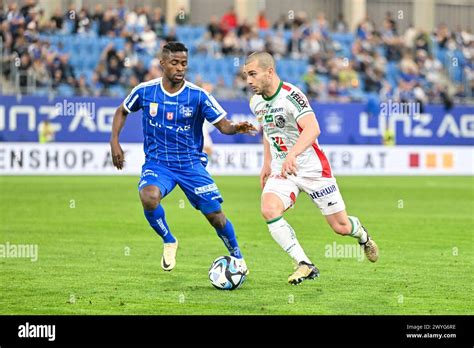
<point x="172" y="122"/>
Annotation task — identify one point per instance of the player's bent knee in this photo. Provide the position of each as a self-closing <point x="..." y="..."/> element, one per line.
<point x="150" y="197"/>
<point x="217" y="219"/>
<point x="271" y="211"/>
<point x="272" y="207"/>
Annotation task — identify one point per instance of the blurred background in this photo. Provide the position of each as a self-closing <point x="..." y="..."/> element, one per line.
<point x="395" y="78"/>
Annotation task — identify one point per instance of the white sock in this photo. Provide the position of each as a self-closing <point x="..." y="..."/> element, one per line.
<point x="285" y="236"/>
<point x="357" y="230"/>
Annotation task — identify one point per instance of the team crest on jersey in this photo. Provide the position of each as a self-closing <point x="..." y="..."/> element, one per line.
<point x="280" y="121"/>
<point x="169" y="116"/>
<point x="153" y="109"/>
<point x="187" y="111"/>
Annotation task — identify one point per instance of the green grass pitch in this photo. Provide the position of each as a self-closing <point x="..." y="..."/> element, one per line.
<point x="97" y="254"/>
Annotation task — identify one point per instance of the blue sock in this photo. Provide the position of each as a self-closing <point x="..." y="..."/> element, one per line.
<point x="227" y="235"/>
<point x="156" y="219"/>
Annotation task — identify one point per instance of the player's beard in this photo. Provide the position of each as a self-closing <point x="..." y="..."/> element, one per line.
<point x="265" y="89"/>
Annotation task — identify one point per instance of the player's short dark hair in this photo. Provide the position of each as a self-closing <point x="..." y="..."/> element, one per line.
<point x="173" y="46"/>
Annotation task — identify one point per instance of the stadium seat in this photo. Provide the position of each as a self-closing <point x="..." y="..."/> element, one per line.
<point x="65" y="90"/>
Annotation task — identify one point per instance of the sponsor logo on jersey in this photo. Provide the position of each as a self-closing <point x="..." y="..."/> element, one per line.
<point x="279" y="144"/>
<point x="274" y="110"/>
<point x="149" y="172"/>
<point x="169" y="116"/>
<point x="280" y="121"/>
<point x="298" y="100"/>
<point x="268" y="118"/>
<point x="153" y="109"/>
<point x="325" y="191"/>
<point x="204" y="189"/>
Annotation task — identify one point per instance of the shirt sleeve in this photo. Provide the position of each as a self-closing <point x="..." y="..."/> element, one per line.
<point x="298" y="105"/>
<point x="211" y="109"/>
<point x="133" y="102"/>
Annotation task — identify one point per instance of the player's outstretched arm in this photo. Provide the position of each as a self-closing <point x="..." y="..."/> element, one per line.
<point x="227" y="127"/>
<point x="117" y="124"/>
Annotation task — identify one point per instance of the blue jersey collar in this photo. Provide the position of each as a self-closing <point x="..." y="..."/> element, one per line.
<point x="175" y="93"/>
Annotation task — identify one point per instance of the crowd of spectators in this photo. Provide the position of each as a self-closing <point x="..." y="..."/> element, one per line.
<point x="384" y="61"/>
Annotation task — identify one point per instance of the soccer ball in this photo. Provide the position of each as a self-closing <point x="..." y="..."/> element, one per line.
<point x="226" y="273"/>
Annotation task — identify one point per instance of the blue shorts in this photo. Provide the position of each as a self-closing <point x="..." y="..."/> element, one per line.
<point x="196" y="183"/>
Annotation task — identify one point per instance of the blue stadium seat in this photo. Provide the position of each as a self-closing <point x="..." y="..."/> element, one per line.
<point x="65" y="90"/>
<point x="117" y="91"/>
<point x="343" y="38"/>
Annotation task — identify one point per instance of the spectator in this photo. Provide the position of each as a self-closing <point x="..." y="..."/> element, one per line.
<point x="46" y="132"/>
<point x="140" y="71"/>
<point x="320" y="25"/>
<point x="39" y="72"/>
<point x="122" y="10"/>
<point x="282" y="23"/>
<point x="158" y="22"/>
<point x="310" y="46"/>
<point x="149" y="40"/>
<point x="340" y="25"/>
<point x="347" y="76"/>
<point x="392" y="22"/>
<point x="244" y="29"/>
<point x="107" y="24"/>
<point x="29" y="5"/>
<point x="213" y="27"/>
<point x="277" y="44"/>
<point x="410" y="36"/>
<point x="294" y="45"/>
<point x="57" y="20"/>
<point x="312" y="83"/>
<point x="262" y="21"/>
<point x="212" y="47"/>
<point x="171" y="36"/>
<point x="230" y="44"/>
<point x="229" y="21"/>
<point x="84" y="23"/>
<point x="82" y="88"/>
<point x="182" y="17"/>
<point x="15" y="18"/>
<point x="255" y="43"/>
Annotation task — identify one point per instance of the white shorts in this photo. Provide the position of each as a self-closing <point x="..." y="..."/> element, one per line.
<point x="323" y="191"/>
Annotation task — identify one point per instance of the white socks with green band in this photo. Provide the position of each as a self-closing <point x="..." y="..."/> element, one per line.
<point x="285" y="236"/>
<point x="357" y="230"/>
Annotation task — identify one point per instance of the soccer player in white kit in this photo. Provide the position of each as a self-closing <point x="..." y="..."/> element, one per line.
<point x="294" y="162"/>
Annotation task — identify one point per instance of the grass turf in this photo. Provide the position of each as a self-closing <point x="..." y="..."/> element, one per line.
<point x="97" y="254"/>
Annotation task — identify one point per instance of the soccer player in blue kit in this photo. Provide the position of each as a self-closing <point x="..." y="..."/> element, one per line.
<point x="173" y="114"/>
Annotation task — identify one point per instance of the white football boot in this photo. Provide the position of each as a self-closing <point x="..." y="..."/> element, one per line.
<point x="168" y="260"/>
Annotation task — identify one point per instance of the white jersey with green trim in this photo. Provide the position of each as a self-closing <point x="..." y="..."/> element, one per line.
<point x="279" y="115"/>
